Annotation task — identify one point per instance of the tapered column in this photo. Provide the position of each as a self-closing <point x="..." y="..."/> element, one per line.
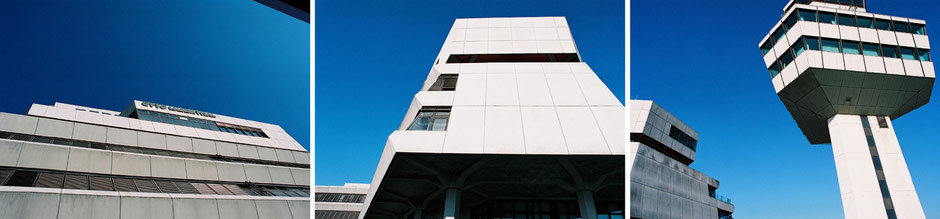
<point x="452" y="203"/>
<point x="873" y="177"/>
<point x="586" y="204"/>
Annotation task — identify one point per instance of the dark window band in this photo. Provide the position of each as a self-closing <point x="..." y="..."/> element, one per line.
<point x="339" y="197"/>
<point x="141" y="150"/>
<point x="529" y="57"/>
<point x="83" y="181"/>
<point x="879" y="171"/>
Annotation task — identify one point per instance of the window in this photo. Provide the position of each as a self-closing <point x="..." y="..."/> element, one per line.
<point x="918" y="29"/>
<point x="923" y="55"/>
<point x="849" y="47"/>
<point x="829" y="45"/>
<point x="890" y="51"/>
<point x="798" y="47"/>
<point x="882" y="24"/>
<point x="445" y="82"/>
<point x="778" y="35"/>
<point x="786" y="59"/>
<point x="539" y="57"/>
<point x="900" y="27"/>
<point x="768" y="45"/>
<point x="431" y="119"/>
<point x="682" y="138"/>
<point x="807" y="15"/>
<point x="812" y="43"/>
<point x="866" y="22"/>
<point x="774" y="69"/>
<point x="907" y="53"/>
<point x="791" y="21"/>
<point x="828" y="18"/>
<point x="870" y="49"/>
<point x="847" y="20"/>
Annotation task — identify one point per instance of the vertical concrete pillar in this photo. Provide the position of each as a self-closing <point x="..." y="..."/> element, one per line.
<point x="586" y="204"/>
<point x="451" y="203"/>
<point x="873" y="177"/>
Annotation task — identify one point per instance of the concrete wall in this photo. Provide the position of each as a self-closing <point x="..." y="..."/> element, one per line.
<point x="661" y="187"/>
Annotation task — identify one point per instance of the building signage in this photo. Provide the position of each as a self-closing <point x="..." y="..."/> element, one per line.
<point x="176" y="109"/>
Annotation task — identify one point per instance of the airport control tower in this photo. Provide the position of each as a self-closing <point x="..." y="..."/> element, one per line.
<point x="844" y="74"/>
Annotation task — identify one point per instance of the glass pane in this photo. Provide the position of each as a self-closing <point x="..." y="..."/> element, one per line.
<point x="870" y="49"/>
<point x="424" y="113"/>
<point x="766" y="47"/>
<point x="439" y="125"/>
<point x="923" y="55"/>
<point x="812" y="43"/>
<point x="774" y="69"/>
<point x="849" y="47"/>
<point x="900" y="27"/>
<point x="882" y="24"/>
<point x="829" y="18"/>
<point x="847" y="20"/>
<point x="830" y="45"/>
<point x="420" y="123"/>
<point x="808" y="15"/>
<point x="918" y="29"/>
<point x="866" y="22"/>
<point x="786" y="59"/>
<point x="798" y="47"/>
<point x="889" y="51"/>
<point x="778" y="35"/>
<point x="791" y="21"/>
<point x="907" y="53"/>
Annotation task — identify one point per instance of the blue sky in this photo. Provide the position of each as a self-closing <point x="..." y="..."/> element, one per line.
<point x="373" y="56"/>
<point x="700" y="60"/>
<point x="240" y="59"/>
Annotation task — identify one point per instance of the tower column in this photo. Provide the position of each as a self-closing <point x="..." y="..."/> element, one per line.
<point x="873" y="177"/>
<point x="451" y="203"/>
<point x="586" y="204"/>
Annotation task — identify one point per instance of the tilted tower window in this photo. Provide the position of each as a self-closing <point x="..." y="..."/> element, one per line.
<point x="431" y="118"/>
<point x="445" y="82"/>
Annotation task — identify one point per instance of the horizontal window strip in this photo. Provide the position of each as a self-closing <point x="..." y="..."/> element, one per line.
<point x="841" y="20"/>
<point x="526" y="57"/>
<point x="805" y="43"/>
<point x="142" y="150"/>
<point x="24" y="177"/>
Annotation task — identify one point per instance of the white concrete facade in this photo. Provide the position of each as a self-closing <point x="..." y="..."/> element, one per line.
<point x="875" y="69"/>
<point x="505" y="108"/>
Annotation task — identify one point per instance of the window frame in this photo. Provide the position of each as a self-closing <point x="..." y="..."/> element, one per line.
<point x="435" y="113"/>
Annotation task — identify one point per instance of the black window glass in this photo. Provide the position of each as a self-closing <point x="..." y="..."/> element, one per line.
<point x="889" y="51"/>
<point x="846" y="20"/>
<point x="870" y="49"/>
<point x="22" y="178"/>
<point x="682" y="138"/>
<point x="786" y="59"/>
<point x="918" y="29"/>
<point x="850" y="47"/>
<point x="766" y="47"/>
<point x="923" y="55"/>
<point x="798" y="47"/>
<point x="774" y="69"/>
<point x="825" y="17"/>
<point x="812" y="43"/>
<point x="866" y="22"/>
<point x="778" y="35"/>
<point x="445" y="82"/>
<point x="791" y="21"/>
<point x="882" y="24"/>
<point x="807" y="15"/>
<point x="900" y="26"/>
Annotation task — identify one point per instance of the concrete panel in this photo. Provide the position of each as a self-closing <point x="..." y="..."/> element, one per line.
<point x="905" y="39"/>
<point x="18" y="123"/>
<point x="151" y="140"/>
<point x="9" y="152"/>
<point x="176" y="143"/>
<point x="167" y="167"/>
<point x="921" y="41"/>
<point x="301" y="157"/>
<point x="503" y="131"/>
<point x="122" y="137"/>
<point x="201" y="146"/>
<point x="581" y="131"/>
<point x="273" y="209"/>
<point x="465" y="130"/>
<point x="54" y="128"/>
<point x="266" y="153"/>
<point x="854" y="62"/>
<point x="164" y="128"/>
<point x="875" y="64"/>
<point x="185" y="208"/>
<point x="833" y="60"/>
<point x="301" y="176"/>
<point x="28" y="205"/>
<point x="471" y="90"/>
<point x="611" y="121"/>
<point x="89" y="206"/>
<point x="281" y="175"/>
<point x="237" y="209"/>
<point x="201" y="170"/>
<point x="233" y="172"/>
<point x="501" y="89"/>
<point x="928" y="69"/>
<point x="43" y="156"/>
<point x="913" y="68"/>
<point x="814" y="58"/>
<point x="226" y="149"/>
<point x="868" y="35"/>
<point x="542" y="131"/>
<point x="565" y="90"/>
<point x="894" y="66"/>
<point x="89" y="160"/>
<point x="829" y="31"/>
<point x="595" y="91"/>
<point x="887" y="37"/>
<point x="258" y="173"/>
<point x="248" y="151"/>
<point x="146" y="207"/>
<point x="130" y="164"/>
<point x="848" y="33"/>
<point x="533" y="90"/>
<point x="284" y="155"/>
<point x="299" y="209"/>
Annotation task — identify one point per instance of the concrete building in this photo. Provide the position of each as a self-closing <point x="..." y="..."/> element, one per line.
<point x="662" y="185"/>
<point x="339" y="202"/>
<point x="844" y="74"/>
<point x="148" y="161"/>
<point x="510" y="122"/>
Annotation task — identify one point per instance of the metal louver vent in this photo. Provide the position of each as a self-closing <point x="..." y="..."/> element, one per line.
<point x="50" y="180"/>
<point x="186" y="187"/>
<point x="22" y="178"/>
<point x="203" y="188"/>
<point x="101" y="183"/>
<point x="146" y="186"/>
<point x="220" y="189"/>
<point x="76" y="182"/>
<point x="124" y="185"/>
<point x="167" y="187"/>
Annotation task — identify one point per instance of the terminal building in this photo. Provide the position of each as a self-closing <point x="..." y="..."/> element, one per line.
<point x="148" y="161"/>
<point x="510" y="123"/>
<point x="843" y="74"/>
<point x="662" y="185"/>
<point x="339" y="202"/>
